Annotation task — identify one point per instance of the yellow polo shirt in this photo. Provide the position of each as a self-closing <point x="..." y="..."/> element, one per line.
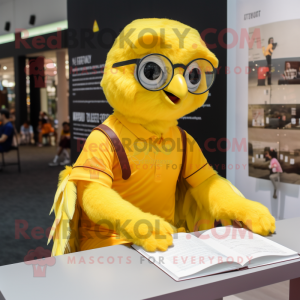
<point x="155" y="165"/>
<point x="269" y="50"/>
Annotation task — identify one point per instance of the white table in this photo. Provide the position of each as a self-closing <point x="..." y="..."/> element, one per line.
<point x="71" y="278"/>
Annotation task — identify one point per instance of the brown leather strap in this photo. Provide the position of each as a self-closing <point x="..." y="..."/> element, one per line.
<point x="119" y="149"/>
<point x="183" y="138"/>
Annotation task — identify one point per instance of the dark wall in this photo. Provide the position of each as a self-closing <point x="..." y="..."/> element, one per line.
<point x="87" y="101"/>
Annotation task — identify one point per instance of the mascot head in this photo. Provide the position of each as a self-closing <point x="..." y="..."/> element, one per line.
<point x="157" y="71"/>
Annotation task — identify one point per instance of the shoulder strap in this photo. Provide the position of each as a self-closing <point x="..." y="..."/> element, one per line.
<point x="119" y="149"/>
<point x="122" y="156"/>
<point x="183" y="138"/>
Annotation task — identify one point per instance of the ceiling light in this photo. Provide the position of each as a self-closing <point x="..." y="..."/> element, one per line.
<point x="4" y="67"/>
<point x="6" y="83"/>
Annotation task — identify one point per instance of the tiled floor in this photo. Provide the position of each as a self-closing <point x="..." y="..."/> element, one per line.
<point x="26" y="199"/>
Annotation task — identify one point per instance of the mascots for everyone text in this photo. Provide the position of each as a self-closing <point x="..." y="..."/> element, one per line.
<point x="139" y="177"/>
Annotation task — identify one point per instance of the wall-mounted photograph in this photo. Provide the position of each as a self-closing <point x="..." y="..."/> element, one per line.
<point x="274" y="103"/>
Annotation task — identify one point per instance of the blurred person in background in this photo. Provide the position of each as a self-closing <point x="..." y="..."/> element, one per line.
<point x="43" y="115"/>
<point x="268" y="54"/>
<point x="44" y="129"/>
<point x="289" y="73"/>
<point x="64" y="145"/>
<point x="6" y="131"/>
<point x="12" y="116"/>
<point x="275" y="170"/>
<point x="27" y="133"/>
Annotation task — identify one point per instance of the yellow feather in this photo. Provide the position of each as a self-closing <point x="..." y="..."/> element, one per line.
<point x="70" y="197"/>
<point x="55" y="243"/>
<point x="65" y="209"/>
<point x="60" y="209"/>
<point x="57" y="220"/>
<point x="64" y="232"/>
<point x="63" y="174"/>
<point x="60" y="189"/>
<point x="54" y="225"/>
<point x="56" y="246"/>
<point x="74" y="239"/>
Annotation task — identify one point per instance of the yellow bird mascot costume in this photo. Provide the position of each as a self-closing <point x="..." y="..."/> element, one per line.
<point x="139" y="177"/>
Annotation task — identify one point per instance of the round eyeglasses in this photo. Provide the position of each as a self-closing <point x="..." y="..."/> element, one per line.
<point x="155" y="71"/>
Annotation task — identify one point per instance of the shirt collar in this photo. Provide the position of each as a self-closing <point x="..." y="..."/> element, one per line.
<point x="138" y="130"/>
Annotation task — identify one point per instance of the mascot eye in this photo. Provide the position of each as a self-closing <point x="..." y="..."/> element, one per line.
<point x="152" y="72"/>
<point x="193" y="77"/>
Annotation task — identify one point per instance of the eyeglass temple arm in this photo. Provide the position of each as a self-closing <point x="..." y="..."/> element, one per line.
<point x="125" y="63"/>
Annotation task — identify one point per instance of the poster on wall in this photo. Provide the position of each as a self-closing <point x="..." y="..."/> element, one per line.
<point x="274" y="101"/>
<point x="267" y="111"/>
<point x="93" y="27"/>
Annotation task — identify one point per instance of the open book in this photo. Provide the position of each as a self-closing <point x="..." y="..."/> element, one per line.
<point x="215" y="251"/>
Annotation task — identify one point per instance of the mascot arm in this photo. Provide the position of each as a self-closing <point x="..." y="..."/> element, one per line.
<point x="102" y="203"/>
<point x="224" y="201"/>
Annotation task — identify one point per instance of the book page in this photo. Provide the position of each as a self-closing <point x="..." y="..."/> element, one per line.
<point x="187" y="256"/>
<point x="246" y="243"/>
<point x="268" y="260"/>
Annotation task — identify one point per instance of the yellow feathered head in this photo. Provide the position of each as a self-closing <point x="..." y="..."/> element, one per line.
<point x="155" y="72"/>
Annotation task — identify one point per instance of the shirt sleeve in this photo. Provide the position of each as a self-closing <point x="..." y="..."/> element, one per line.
<point x="95" y="161"/>
<point x="268" y="52"/>
<point x="8" y="130"/>
<point x="196" y="168"/>
<point x="270" y="47"/>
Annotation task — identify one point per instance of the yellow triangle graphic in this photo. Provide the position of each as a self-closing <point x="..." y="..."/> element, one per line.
<point x="95" y="27"/>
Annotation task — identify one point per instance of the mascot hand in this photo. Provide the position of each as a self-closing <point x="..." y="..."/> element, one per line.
<point x="219" y="197"/>
<point x="255" y="216"/>
<point x="151" y="232"/>
<point x="143" y="229"/>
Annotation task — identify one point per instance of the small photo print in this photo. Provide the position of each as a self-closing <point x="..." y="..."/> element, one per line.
<point x="274" y="102"/>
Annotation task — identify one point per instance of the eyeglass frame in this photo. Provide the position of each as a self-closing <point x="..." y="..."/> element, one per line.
<point x="137" y="61"/>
